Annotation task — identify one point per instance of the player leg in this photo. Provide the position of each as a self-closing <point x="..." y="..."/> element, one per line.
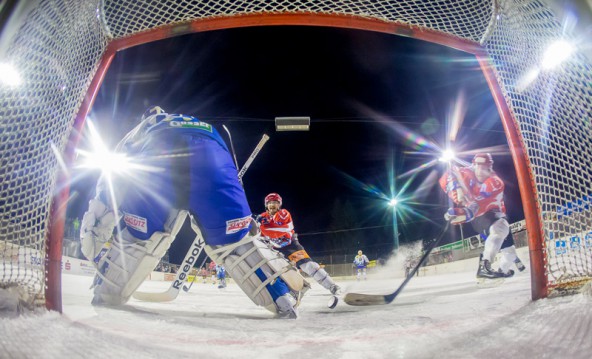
<point x="296" y="254"/>
<point x="497" y="230"/>
<point x="509" y="256"/>
<point x="262" y="273"/>
<point x="130" y="259"/>
<point x="151" y="222"/>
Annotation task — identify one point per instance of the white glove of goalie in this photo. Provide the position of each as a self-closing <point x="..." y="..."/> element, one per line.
<point x="96" y="228"/>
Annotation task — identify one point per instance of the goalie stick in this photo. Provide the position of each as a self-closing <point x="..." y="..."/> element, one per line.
<point x="360" y="299"/>
<point x="182" y="273"/>
<point x="252" y="156"/>
<point x="186" y="288"/>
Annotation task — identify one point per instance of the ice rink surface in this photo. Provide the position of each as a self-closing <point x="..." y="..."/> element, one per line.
<point x="443" y="316"/>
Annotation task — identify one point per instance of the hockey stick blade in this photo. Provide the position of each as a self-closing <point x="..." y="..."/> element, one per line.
<point x="361" y="299"/>
<point x="170" y="294"/>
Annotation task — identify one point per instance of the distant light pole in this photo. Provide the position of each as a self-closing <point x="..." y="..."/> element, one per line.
<point x="393" y="203"/>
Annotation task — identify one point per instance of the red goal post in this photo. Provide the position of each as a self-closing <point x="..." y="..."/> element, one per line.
<point x="63" y="49"/>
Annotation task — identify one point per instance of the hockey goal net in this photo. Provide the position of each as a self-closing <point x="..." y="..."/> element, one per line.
<point x="62" y="48"/>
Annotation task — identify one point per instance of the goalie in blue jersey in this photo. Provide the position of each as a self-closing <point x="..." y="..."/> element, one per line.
<point x="183" y="170"/>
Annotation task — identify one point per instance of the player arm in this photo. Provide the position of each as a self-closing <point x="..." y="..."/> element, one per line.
<point x="451" y="184"/>
<point x="466" y="207"/>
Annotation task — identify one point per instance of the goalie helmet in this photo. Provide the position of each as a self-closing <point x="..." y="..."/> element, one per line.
<point x="273" y="197"/>
<point x="483" y="159"/>
<point x="151" y="111"/>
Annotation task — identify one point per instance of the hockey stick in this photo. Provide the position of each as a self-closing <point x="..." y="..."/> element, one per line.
<point x="360" y="299"/>
<point x="252" y="156"/>
<point x="182" y="273"/>
<point x="186" y="288"/>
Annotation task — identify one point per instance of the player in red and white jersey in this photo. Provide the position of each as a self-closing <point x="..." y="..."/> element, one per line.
<point x="276" y="225"/>
<point x="488" y="194"/>
<point x="478" y="196"/>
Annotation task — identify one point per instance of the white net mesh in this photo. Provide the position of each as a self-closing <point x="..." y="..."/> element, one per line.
<point x="56" y="51"/>
<point x="553" y="113"/>
<point x="60" y="44"/>
<point x="466" y="18"/>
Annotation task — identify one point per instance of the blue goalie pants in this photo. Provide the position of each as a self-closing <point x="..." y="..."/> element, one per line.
<point x="185" y="171"/>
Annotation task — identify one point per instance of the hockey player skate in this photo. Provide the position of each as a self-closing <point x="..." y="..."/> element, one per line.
<point x="509" y="273"/>
<point x="335" y="289"/>
<point x="521" y="267"/>
<point x="485" y="271"/>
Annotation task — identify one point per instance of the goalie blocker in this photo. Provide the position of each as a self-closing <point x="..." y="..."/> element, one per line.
<point x="186" y="184"/>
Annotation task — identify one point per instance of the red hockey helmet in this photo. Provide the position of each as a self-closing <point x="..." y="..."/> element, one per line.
<point x="483" y="159"/>
<point x="273" y="197"/>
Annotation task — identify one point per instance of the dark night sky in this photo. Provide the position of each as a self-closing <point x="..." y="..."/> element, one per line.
<point x="353" y="84"/>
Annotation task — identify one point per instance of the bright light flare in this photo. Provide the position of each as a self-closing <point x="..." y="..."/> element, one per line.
<point x="106" y="161"/>
<point x="448" y="155"/>
<point x="556" y="53"/>
<point x="393" y="202"/>
<point x="101" y="157"/>
<point x="527" y="79"/>
<point x="457" y="116"/>
<point x="9" y="75"/>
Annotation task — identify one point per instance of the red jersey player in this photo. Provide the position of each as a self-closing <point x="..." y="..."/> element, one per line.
<point x="478" y="195"/>
<point x="277" y="226"/>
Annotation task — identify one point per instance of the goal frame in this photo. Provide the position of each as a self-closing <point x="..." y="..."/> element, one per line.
<point x="539" y="282"/>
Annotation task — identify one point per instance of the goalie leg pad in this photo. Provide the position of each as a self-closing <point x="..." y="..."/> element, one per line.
<point x="96" y="228"/>
<point x="130" y="260"/>
<point x="262" y="273"/>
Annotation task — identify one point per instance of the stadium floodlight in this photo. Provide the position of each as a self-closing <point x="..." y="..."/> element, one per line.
<point x="9" y="75"/>
<point x="556" y="53"/>
<point x="292" y="123"/>
<point x="447" y="156"/>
